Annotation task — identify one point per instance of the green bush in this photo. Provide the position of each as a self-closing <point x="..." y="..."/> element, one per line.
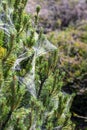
<point x="29" y="99"/>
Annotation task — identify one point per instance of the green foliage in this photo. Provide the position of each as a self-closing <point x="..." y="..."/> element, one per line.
<point x="72" y="54"/>
<point x="20" y="107"/>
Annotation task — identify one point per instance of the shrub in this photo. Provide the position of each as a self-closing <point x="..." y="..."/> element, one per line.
<point x="23" y="105"/>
